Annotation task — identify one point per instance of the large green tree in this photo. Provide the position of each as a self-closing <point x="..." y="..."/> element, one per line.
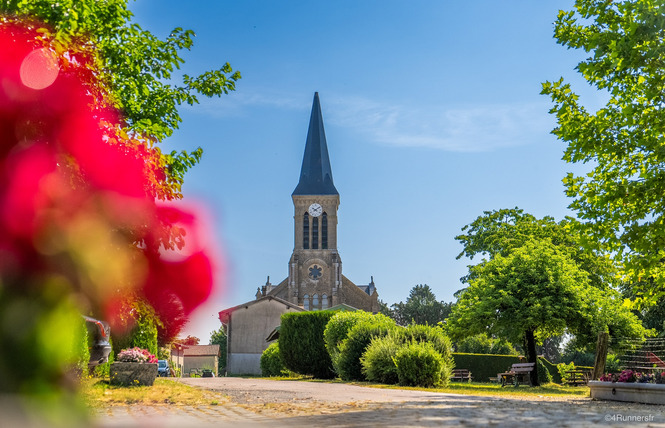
<point x="421" y="307"/>
<point x="536" y="291"/>
<point x="620" y="196"/>
<point x="499" y="232"/>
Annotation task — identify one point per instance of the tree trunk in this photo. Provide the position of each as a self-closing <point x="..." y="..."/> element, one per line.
<point x="531" y="356"/>
<point x="601" y="355"/>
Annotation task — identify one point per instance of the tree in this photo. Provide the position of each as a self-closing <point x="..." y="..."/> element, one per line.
<point x="534" y="292"/>
<point x="188" y="341"/>
<point x="421" y="307"/>
<point x="219" y="337"/>
<point x="501" y="231"/>
<point x="621" y="196"/>
<point x="133" y="73"/>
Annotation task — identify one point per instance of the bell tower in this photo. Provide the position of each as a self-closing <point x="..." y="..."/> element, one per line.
<point x="315" y="268"/>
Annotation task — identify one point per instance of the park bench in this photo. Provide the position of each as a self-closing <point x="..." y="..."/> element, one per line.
<point x="577" y="377"/>
<point x="519" y="374"/>
<point x="461" y="375"/>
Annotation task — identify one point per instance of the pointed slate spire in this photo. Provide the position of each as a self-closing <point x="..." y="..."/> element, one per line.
<point x="316" y="174"/>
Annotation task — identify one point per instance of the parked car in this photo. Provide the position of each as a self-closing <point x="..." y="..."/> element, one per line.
<point x="163" y="368"/>
<point x="99" y="333"/>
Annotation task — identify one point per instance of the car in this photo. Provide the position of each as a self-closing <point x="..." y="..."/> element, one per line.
<point x="99" y="333"/>
<point x="163" y="368"/>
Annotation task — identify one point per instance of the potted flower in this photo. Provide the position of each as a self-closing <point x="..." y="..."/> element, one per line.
<point x="630" y="385"/>
<point x="134" y="367"/>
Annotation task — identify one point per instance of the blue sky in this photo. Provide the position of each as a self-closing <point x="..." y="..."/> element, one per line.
<point x="432" y="115"/>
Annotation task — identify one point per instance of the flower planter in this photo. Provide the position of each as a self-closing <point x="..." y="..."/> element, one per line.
<point x="649" y="393"/>
<point x="133" y="374"/>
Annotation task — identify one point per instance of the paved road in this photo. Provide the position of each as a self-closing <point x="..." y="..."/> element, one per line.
<point x="261" y="403"/>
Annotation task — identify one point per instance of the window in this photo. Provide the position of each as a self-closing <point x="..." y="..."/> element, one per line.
<point x="305" y="301"/>
<point x="315" y="233"/>
<point x="324" y="302"/>
<point x="305" y="231"/>
<point x="324" y="231"/>
<point x="315" y="302"/>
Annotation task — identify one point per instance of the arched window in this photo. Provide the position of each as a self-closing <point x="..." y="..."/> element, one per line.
<point x="305" y="231"/>
<point x="315" y="233"/>
<point x="305" y="301"/>
<point x="324" y="302"/>
<point x="324" y="231"/>
<point x="315" y="302"/>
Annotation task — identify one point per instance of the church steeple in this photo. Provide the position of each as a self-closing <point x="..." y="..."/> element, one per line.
<point x="316" y="173"/>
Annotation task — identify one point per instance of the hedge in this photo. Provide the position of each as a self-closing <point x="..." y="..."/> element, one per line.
<point x="301" y="344"/>
<point x="485" y="366"/>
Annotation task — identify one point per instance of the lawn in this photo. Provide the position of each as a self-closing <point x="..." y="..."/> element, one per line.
<point x="98" y="393"/>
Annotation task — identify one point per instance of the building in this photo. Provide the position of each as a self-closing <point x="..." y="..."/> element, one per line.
<point x="315" y="280"/>
<point x="195" y="357"/>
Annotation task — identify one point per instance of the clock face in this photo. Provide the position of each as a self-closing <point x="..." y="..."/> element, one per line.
<point x="315" y="210"/>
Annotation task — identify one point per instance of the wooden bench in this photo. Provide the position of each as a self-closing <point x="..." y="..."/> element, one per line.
<point x="519" y="374"/>
<point x="577" y="377"/>
<point x="461" y="375"/>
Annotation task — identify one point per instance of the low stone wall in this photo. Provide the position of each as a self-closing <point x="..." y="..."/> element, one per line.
<point x="133" y="374"/>
<point x="647" y="393"/>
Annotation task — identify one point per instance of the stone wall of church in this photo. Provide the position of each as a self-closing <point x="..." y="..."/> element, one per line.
<point x="354" y="296"/>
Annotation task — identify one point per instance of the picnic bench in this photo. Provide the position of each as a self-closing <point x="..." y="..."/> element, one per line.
<point x="461" y="375"/>
<point x="577" y="377"/>
<point x="518" y="374"/>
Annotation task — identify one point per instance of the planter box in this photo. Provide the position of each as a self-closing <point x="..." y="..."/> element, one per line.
<point x="133" y="374"/>
<point x="649" y="393"/>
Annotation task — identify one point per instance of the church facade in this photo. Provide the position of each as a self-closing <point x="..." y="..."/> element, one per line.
<point x="315" y="280"/>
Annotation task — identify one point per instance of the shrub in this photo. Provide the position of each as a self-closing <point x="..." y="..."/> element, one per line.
<point x="419" y="364"/>
<point x="435" y="336"/>
<point x="483" y="344"/>
<point x="271" y="362"/>
<point x="562" y="368"/>
<point x="377" y="361"/>
<point x="348" y="364"/>
<point x="82" y="350"/>
<point x="301" y="344"/>
<point x="544" y="375"/>
<point x="338" y="329"/>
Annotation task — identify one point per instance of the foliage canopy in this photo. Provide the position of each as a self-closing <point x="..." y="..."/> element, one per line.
<point x="621" y="197"/>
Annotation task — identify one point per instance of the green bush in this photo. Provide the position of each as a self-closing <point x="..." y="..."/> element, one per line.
<point x="544" y="375"/>
<point x="419" y="364"/>
<point x="562" y="368"/>
<point x="483" y="344"/>
<point x="348" y="365"/>
<point x="82" y="350"/>
<point x="377" y="362"/>
<point x="338" y="329"/>
<point x="271" y="363"/>
<point x="301" y="344"/>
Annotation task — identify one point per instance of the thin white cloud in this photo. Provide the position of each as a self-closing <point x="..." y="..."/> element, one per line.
<point x="467" y="129"/>
<point x="457" y="129"/>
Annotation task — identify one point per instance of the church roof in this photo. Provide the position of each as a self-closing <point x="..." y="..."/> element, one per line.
<point x="316" y="174"/>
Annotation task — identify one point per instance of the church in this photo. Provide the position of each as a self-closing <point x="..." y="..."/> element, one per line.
<point x="315" y="280"/>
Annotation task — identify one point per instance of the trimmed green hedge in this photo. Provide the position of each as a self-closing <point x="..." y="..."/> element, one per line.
<point x="485" y="366"/>
<point x="271" y="362"/>
<point x="301" y="344"/>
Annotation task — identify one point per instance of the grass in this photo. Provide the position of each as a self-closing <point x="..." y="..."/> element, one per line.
<point x="98" y="393"/>
<point x="473" y="388"/>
